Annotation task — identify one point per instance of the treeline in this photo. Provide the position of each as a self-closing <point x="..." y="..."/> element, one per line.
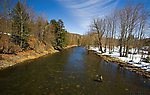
<point x="21" y="23"/>
<point x="125" y="28"/>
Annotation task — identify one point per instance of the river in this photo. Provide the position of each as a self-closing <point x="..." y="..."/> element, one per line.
<point x="71" y="72"/>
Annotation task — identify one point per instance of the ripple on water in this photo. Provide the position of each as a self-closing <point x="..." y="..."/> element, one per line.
<point x="70" y="72"/>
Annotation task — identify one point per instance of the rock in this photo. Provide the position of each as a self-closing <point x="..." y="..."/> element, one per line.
<point x="78" y="86"/>
<point x="61" y="88"/>
<point x="126" y="89"/>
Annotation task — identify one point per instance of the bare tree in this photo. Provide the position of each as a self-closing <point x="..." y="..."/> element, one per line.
<point x="114" y="23"/>
<point x="109" y="32"/>
<point x="106" y="33"/>
<point x="5" y="7"/>
<point x="99" y="26"/>
<point x="122" y="18"/>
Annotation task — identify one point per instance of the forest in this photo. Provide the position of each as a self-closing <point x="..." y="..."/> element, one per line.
<point x="126" y="28"/>
<point x="22" y="29"/>
<point x="41" y="54"/>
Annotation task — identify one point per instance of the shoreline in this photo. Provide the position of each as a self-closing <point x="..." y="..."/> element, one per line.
<point x="12" y="59"/>
<point x="123" y="64"/>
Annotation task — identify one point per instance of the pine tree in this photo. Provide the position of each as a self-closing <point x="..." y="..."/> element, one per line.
<point x="55" y="25"/>
<point x="60" y="34"/>
<point x="20" y="19"/>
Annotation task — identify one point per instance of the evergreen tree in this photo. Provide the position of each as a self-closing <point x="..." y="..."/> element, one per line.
<point x="20" y="19"/>
<point x="60" y="33"/>
<point x="55" y="25"/>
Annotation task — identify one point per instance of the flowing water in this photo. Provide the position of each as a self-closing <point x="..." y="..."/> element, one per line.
<point x="71" y="72"/>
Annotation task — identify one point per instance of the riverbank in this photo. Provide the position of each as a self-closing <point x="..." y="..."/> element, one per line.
<point x="123" y="64"/>
<point x="8" y="60"/>
<point x="70" y="46"/>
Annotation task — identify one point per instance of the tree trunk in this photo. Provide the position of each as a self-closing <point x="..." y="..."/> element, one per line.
<point x="109" y="46"/>
<point x="100" y="47"/>
<point x="124" y="49"/>
<point x="142" y="53"/>
<point x="106" y="44"/>
<point x="21" y="33"/>
<point x="127" y="51"/>
<point x="120" y="50"/>
<point x="100" y="43"/>
<point x="105" y="47"/>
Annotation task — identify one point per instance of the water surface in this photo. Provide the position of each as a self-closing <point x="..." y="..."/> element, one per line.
<point x="71" y="72"/>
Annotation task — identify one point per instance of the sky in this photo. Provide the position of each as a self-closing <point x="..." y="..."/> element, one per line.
<point x="78" y="14"/>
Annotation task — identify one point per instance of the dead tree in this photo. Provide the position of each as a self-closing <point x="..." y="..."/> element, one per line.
<point x="122" y="19"/>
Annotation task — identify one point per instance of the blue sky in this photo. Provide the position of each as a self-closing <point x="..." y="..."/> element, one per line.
<point x="77" y="14"/>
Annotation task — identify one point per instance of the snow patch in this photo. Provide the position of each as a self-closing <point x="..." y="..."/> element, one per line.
<point x="5" y="33"/>
<point x="131" y="59"/>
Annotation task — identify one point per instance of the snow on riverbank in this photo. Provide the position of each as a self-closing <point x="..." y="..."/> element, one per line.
<point x="136" y="58"/>
<point x="5" y="33"/>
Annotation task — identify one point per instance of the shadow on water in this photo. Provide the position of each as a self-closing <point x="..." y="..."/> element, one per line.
<point x="96" y="80"/>
<point x="71" y="72"/>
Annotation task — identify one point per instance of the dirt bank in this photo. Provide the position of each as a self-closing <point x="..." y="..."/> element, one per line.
<point x="8" y="60"/>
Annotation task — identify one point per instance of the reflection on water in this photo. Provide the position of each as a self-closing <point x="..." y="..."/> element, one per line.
<point x="70" y="72"/>
<point x="76" y="60"/>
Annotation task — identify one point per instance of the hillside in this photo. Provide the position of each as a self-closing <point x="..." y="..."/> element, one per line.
<point x="10" y="53"/>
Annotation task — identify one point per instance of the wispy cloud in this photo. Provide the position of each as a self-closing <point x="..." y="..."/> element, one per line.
<point x="86" y="10"/>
